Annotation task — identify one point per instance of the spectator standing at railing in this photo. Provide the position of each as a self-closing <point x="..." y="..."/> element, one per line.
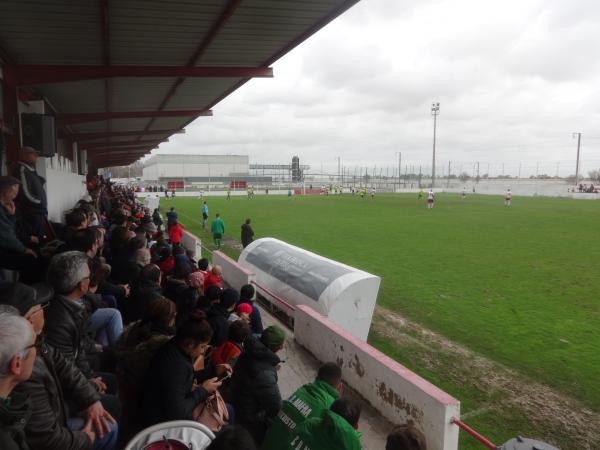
<point x="336" y="428"/>
<point x="311" y="400"/>
<point x="171" y="217"/>
<point x="32" y="204"/>
<point x="176" y="233"/>
<point x="218" y="229"/>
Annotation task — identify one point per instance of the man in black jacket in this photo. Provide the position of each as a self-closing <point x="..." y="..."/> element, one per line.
<point x="147" y="289"/>
<point x="247" y="233"/>
<point x="53" y="381"/>
<point x="17" y="355"/>
<point x="32" y="205"/>
<point x="256" y="396"/>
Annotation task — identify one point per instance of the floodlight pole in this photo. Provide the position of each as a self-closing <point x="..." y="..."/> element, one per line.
<point x="435" y="110"/>
<point x="399" y="167"/>
<point x="577" y="164"/>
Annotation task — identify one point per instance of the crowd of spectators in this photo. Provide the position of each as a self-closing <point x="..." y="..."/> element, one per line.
<point x="108" y="325"/>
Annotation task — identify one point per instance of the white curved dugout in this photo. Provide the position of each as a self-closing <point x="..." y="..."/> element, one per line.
<point x="344" y="294"/>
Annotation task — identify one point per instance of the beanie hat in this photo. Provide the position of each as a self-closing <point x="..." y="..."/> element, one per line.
<point x="196" y="279"/>
<point x="213" y="293"/>
<point x="229" y="297"/>
<point x="244" y="308"/>
<point x="273" y="337"/>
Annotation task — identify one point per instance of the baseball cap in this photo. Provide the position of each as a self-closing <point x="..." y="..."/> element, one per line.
<point x="7" y="181"/>
<point x="24" y="297"/>
<point x="27" y="149"/>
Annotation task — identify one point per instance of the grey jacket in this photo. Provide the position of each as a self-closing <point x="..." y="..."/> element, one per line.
<point x="53" y="381"/>
<point x="8" y="233"/>
<point x="14" y="414"/>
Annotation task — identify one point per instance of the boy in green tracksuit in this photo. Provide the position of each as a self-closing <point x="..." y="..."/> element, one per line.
<point x="307" y="402"/>
<point x="335" y="429"/>
<point x="217" y="227"/>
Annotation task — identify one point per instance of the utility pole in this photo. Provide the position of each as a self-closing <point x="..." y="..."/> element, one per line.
<point x="537" y="169"/>
<point x="577" y="163"/>
<point x="519" y="170"/>
<point x="399" y="167"/>
<point x="435" y="110"/>
<point x="478" y="171"/>
<point x="557" y="169"/>
<point x="448" y="182"/>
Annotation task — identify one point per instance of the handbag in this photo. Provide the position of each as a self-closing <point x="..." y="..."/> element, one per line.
<point x="212" y="412"/>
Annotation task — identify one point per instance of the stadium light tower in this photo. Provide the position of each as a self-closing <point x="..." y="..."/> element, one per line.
<point x="577" y="163"/>
<point x="435" y="110"/>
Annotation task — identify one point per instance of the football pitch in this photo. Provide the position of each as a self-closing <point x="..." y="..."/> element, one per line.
<point x="519" y="285"/>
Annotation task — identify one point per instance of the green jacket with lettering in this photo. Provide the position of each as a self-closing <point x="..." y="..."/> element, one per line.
<point x="328" y="432"/>
<point x="307" y="402"/>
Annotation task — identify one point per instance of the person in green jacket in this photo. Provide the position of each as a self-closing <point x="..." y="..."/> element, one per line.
<point x="218" y="228"/>
<point x="336" y="429"/>
<point x="307" y="402"/>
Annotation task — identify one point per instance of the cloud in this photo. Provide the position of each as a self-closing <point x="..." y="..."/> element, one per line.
<point x="514" y="79"/>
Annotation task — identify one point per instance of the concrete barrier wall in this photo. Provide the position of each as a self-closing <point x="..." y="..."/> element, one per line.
<point x="193" y="243"/>
<point x="234" y="275"/>
<point x="397" y="393"/>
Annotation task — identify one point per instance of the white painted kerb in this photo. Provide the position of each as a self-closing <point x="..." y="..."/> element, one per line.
<point x="397" y="393"/>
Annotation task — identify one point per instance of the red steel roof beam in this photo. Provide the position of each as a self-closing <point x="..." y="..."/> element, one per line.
<point x="121" y="144"/>
<point x="73" y="118"/>
<point x="110" y="149"/>
<point x="33" y="74"/>
<point x="79" y="137"/>
<point x="208" y="39"/>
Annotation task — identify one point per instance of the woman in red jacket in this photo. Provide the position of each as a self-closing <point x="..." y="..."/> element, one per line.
<point x="176" y="233"/>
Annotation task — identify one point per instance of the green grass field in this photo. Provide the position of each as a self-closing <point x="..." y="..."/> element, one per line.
<point x="519" y="285"/>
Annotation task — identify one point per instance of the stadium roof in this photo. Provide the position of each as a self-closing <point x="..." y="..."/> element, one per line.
<point x="122" y="76"/>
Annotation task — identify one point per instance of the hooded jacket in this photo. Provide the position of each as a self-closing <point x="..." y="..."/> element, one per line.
<point x="14" y="414"/>
<point x="328" y="432"/>
<point x="306" y="403"/>
<point x="32" y="195"/>
<point x="247" y="234"/>
<point x="53" y="381"/>
<point x="256" y="395"/>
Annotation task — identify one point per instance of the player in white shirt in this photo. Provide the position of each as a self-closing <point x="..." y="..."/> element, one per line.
<point x="507" y="198"/>
<point x="430" y="199"/>
<point x="372" y="193"/>
<point x="464" y="193"/>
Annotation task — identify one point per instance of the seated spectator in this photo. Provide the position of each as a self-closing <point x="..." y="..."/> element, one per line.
<point x="228" y="351"/>
<point x="75" y="219"/>
<point x="242" y="312"/>
<point x="405" y="437"/>
<point x="218" y="315"/>
<point x="307" y="402"/>
<point x="13" y="254"/>
<point x="53" y="382"/>
<point x="176" y="233"/>
<point x="66" y="317"/>
<point x="166" y="261"/>
<point x="247" y="293"/>
<point x="203" y="267"/>
<point x="17" y="355"/>
<point x="214" y="277"/>
<point x="256" y="395"/>
<point x="147" y="289"/>
<point x="180" y="292"/>
<point x="335" y="428"/>
<point x="233" y="438"/>
<point x="135" y="348"/>
<point x="171" y="389"/>
<point x="196" y="281"/>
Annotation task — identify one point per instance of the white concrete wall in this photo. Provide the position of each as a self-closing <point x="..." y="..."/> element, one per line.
<point x="234" y="274"/>
<point x="63" y="188"/>
<point x="192" y="242"/>
<point x="397" y="393"/>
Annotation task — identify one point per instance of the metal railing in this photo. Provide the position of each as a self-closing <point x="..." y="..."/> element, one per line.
<point x="489" y="444"/>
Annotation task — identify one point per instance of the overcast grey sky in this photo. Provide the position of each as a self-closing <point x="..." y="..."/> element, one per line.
<point x="514" y="78"/>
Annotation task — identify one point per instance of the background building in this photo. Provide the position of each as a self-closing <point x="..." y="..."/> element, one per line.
<point x="196" y="170"/>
